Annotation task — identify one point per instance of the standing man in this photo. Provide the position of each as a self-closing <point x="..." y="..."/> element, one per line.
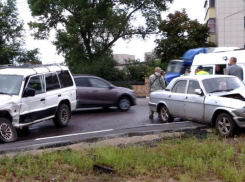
<point x="200" y="71"/>
<point x="234" y="69"/>
<point x="187" y="72"/>
<point x="156" y="83"/>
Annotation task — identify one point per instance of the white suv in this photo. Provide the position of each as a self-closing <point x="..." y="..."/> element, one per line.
<point x="30" y="94"/>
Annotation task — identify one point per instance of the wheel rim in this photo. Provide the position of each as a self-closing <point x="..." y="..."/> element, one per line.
<point x="64" y="115"/>
<point x="164" y="113"/>
<point x="6" y="131"/>
<point x="124" y="104"/>
<point x="224" y="126"/>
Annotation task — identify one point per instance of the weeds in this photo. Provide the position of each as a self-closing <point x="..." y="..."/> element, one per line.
<point x="186" y="159"/>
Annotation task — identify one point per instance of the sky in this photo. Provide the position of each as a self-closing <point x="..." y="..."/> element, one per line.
<point x="135" y="47"/>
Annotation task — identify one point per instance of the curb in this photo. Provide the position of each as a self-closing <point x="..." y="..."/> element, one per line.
<point x="96" y="139"/>
<point x="142" y="97"/>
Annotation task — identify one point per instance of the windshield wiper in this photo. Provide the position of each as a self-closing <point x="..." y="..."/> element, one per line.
<point x="228" y="90"/>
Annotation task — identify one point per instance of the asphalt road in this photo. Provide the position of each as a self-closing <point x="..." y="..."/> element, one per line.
<point x="90" y="123"/>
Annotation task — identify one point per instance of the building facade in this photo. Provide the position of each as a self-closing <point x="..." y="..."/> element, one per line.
<point x="226" y="19"/>
<point x="122" y="58"/>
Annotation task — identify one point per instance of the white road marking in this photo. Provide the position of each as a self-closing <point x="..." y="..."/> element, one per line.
<point x="147" y="97"/>
<point x="167" y="123"/>
<point x="75" y="134"/>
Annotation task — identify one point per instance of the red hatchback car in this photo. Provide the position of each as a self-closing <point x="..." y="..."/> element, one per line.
<point x="93" y="91"/>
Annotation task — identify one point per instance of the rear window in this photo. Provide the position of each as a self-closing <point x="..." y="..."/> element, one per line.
<point x="52" y="81"/>
<point x="65" y="78"/>
<point x="82" y="82"/>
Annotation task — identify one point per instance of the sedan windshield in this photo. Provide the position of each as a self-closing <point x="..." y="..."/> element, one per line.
<point x="174" y="67"/>
<point x="222" y="84"/>
<point x="10" y="84"/>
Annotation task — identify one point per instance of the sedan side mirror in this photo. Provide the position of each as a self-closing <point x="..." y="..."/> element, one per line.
<point x="29" y="92"/>
<point x="198" y="91"/>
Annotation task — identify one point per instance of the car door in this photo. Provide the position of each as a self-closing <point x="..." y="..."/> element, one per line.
<point x="194" y="104"/>
<point x="176" y="99"/>
<point x="84" y="92"/>
<point x="54" y="94"/>
<point x="34" y="108"/>
<point x="102" y="93"/>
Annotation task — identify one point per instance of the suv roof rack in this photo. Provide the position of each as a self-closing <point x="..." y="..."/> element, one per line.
<point x="31" y="66"/>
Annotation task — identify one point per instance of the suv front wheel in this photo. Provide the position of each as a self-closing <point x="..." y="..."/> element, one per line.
<point x="7" y="131"/>
<point x="62" y="116"/>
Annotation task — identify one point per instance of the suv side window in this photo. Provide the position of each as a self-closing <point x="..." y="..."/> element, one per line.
<point x="37" y="83"/>
<point x="52" y="81"/>
<point x="98" y="83"/>
<point x="179" y="87"/>
<point x="65" y="78"/>
<point x="82" y="82"/>
<point x="192" y="86"/>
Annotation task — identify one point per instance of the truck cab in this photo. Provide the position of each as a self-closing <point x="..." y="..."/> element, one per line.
<point x="177" y="67"/>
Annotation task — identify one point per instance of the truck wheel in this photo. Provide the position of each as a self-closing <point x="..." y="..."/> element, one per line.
<point x="124" y="104"/>
<point x="225" y="125"/>
<point x="164" y="114"/>
<point x="62" y="116"/>
<point x="7" y="131"/>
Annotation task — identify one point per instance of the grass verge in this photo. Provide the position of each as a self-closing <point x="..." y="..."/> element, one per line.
<point x="187" y="159"/>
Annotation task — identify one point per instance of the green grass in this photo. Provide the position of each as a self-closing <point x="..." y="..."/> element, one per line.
<point x="181" y="159"/>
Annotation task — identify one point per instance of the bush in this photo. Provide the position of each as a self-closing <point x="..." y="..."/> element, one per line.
<point x="103" y="67"/>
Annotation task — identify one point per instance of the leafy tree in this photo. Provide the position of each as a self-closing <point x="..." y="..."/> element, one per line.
<point x="135" y="70"/>
<point x="12" y="37"/>
<point x="87" y="29"/>
<point x="103" y="67"/>
<point x="180" y="34"/>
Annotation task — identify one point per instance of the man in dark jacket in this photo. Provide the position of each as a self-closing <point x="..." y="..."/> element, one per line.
<point x="234" y="69"/>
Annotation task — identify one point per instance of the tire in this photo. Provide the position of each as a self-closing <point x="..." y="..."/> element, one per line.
<point x="62" y="116"/>
<point x="124" y="104"/>
<point x="164" y="114"/>
<point x="7" y="131"/>
<point x="225" y="125"/>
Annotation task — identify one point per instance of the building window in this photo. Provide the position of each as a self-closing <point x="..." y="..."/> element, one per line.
<point x="212" y="25"/>
<point x="209" y="4"/>
<point x="212" y="3"/>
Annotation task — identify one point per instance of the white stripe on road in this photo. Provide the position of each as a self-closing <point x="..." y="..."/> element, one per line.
<point x="75" y="134"/>
<point x="147" y="97"/>
<point x="167" y="123"/>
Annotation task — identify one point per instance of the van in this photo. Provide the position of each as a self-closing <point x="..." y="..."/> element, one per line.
<point x="212" y="61"/>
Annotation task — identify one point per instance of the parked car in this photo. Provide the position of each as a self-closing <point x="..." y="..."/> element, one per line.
<point x="33" y="93"/>
<point x="93" y="91"/>
<point x="216" y="100"/>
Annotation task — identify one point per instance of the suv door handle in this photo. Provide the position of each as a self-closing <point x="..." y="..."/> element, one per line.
<point x="42" y="99"/>
<point x="59" y="95"/>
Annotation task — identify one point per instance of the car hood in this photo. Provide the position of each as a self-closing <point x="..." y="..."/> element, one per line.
<point x="240" y="91"/>
<point x="233" y="99"/>
<point x="4" y="98"/>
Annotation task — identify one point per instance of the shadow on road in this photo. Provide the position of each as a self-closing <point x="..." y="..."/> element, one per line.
<point x="96" y="110"/>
